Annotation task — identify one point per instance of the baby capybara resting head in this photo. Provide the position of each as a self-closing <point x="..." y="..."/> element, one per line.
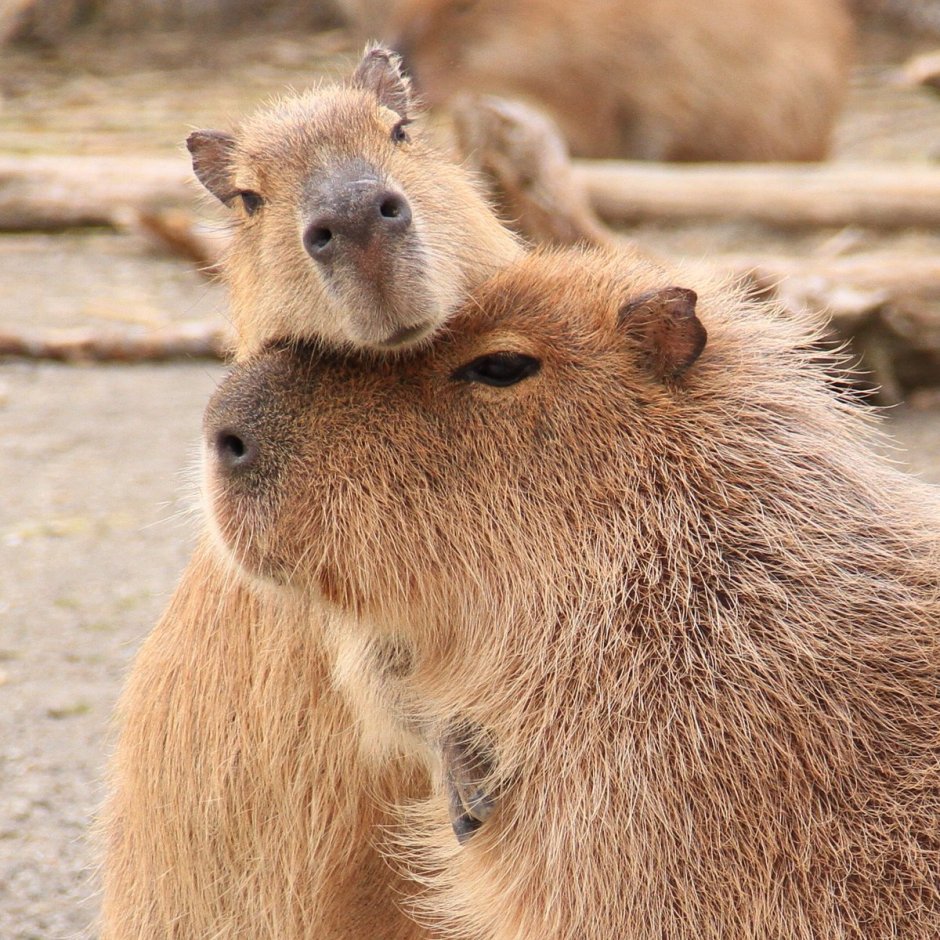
<point x="351" y="229"/>
<point x="627" y="530"/>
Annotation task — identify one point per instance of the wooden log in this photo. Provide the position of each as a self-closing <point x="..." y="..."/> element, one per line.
<point x="521" y="154"/>
<point x="194" y="340"/>
<point x="881" y="195"/>
<point x="848" y="287"/>
<point x="179" y="233"/>
<point x="893" y="271"/>
<point x="52" y="192"/>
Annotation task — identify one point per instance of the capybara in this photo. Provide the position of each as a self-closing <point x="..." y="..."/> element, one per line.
<point x="243" y="800"/>
<point x="654" y="579"/>
<point x="351" y="229"/>
<point x="647" y="79"/>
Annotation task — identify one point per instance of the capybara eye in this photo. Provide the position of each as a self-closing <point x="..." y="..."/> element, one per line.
<point x="399" y="134"/>
<point x="251" y="200"/>
<point x="499" y="369"/>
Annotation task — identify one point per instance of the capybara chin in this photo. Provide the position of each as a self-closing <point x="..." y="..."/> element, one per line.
<point x="350" y="228"/>
<point x="630" y="533"/>
<point x="647" y="79"/>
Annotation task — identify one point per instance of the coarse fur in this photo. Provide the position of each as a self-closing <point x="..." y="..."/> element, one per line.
<point x="694" y="613"/>
<point x="241" y="805"/>
<point x="288" y="157"/>
<point x="728" y="80"/>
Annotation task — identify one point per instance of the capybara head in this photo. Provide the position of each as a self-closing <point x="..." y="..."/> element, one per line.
<point x="573" y="412"/>
<point x="350" y="228"/>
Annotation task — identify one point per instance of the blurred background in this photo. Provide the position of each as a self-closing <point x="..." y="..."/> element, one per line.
<point x="99" y="487"/>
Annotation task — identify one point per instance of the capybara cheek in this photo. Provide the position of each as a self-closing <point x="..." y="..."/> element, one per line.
<point x="244" y="525"/>
<point x="230" y="525"/>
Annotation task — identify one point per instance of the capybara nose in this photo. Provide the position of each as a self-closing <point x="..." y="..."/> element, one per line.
<point x="363" y="210"/>
<point x="235" y="451"/>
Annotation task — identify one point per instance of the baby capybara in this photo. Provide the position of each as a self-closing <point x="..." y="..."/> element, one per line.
<point x="351" y="228"/>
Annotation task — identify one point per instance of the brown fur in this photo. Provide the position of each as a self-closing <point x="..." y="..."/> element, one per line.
<point x="648" y="79"/>
<point x="283" y="154"/>
<point x="241" y="806"/>
<point x="243" y="803"/>
<point x="696" y="617"/>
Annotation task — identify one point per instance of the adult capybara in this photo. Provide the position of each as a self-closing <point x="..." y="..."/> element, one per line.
<point x="243" y="801"/>
<point x="645" y="79"/>
<point x="669" y="618"/>
<point x="350" y="228"/>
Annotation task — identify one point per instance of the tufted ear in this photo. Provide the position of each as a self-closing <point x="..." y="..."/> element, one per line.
<point x="380" y="72"/>
<point x="663" y="323"/>
<point x="212" y="153"/>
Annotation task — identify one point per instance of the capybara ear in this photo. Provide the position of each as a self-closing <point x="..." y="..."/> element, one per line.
<point x="380" y="72"/>
<point x="664" y="324"/>
<point x="212" y="162"/>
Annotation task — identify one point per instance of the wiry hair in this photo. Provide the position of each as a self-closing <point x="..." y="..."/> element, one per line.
<point x="696" y="620"/>
<point x="240" y="805"/>
<point x="240" y="802"/>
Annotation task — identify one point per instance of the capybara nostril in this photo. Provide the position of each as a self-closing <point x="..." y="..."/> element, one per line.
<point x="234" y="450"/>
<point x="318" y="240"/>
<point x="395" y="209"/>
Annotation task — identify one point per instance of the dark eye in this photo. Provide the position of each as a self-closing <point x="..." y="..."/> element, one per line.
<point x="499" y="369"/>
<point x="251" y="200"/>
<point x="399" y="134"/>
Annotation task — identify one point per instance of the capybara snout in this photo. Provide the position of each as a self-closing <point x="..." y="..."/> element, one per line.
<point x="251" y="432"/>
<point x="356" y="210"/>
<point x="250" y="423"/>
<point x="234" y="451"/>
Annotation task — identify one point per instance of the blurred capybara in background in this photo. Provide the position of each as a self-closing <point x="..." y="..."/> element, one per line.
<point x="351" y="228"/>
<point x="644" y="79"/>
<point x="684" y="618"/>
